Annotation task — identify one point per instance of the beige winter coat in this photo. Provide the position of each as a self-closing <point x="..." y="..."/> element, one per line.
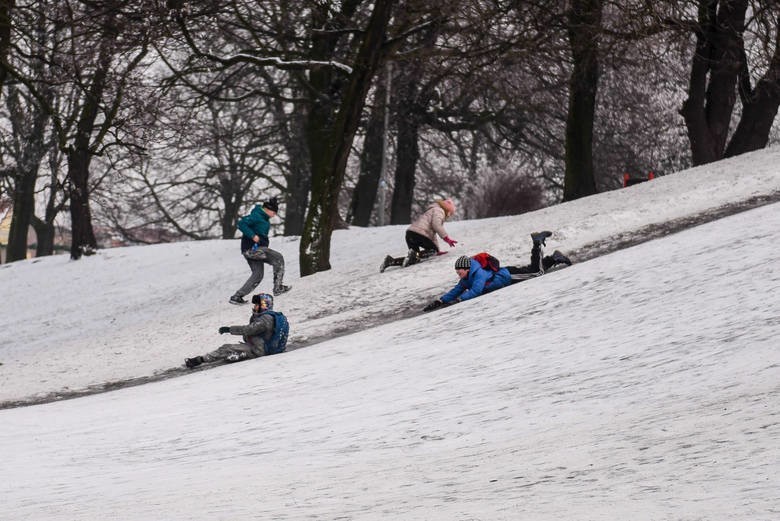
<point x="431" y="223"/>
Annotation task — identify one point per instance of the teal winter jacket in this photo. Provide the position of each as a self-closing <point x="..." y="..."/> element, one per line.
<point x="256" y="223"/>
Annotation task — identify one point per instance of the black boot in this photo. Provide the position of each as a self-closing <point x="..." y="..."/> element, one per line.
<point x="281" y="289"/>
<point x="539" y="237"/>
<point x="560" y="258"/>
<point x="386" y="264"/>
<point x="412" y="257"/>
<point x="193" y="362"/>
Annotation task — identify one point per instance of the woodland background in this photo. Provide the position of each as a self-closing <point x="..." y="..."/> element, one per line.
<point x="142" y="121"/>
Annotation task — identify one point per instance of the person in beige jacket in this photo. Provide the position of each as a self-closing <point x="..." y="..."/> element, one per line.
<point x="421" y="235"/>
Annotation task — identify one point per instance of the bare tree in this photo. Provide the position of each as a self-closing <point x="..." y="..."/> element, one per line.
<point x="721" y="70"/>
<point x="467" y="77"/>
<point x="760" y="102"/>
<point x="333" y="62"/>
<point x="99" y="46"/>
<point x="209" y="159"/>
<point x="332" y="125"/>
<point x="55" y="201"/>
<point x="105" y="83"/>
<point x="27" y="145"/>
<point x="29" y="139"/>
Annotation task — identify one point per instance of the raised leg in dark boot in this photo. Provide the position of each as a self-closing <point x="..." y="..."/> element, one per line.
<point x="534" y="269"/>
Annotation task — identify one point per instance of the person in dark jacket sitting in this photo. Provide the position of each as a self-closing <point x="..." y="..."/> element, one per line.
<point x="254" y="247"/>
<point x="266" y="334"/>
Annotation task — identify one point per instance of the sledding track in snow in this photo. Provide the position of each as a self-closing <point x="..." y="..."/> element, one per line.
<point x="413" y="307"/>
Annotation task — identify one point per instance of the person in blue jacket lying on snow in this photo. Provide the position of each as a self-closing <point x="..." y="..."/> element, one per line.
<point x="474" y="281"/>
<point x="481" y="274"/>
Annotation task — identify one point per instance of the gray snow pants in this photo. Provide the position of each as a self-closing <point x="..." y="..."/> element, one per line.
<point x="257" y="260"/>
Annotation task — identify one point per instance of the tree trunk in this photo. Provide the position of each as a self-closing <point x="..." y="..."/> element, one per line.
<point x="44" y="233"/>
<point x="752" y="132"/>
<point x="28" y="130"/>
<point x="718" y="59"/>
<point x="693" y="109"/>
<point x="759" y="108"/>
<point x="330" y="132"/>
<point x="584" y="29"/>
<point x="5" y="37"/>
<point x="57" y="200"/>
<point x="83" y="240"/>
<point x="364" y="196"/>
<point x="412" y="99"/>
<point x="232" y="199"/>
<point x="407" y="154"/>
<point x="24" y="207"/>
<point x="299" y="179"/>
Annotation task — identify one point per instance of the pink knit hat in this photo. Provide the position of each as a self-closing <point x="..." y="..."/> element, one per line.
<point x="448" y="206"/>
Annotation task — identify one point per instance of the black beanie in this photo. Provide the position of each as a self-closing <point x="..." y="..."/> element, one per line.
<point x="272" y="204"/>
<point x="463" y="262"/>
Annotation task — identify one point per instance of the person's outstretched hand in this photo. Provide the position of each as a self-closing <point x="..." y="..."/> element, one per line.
<point x="436" y="304"/>
<point x="224" y="329"/>
<point x="451" y="242"/>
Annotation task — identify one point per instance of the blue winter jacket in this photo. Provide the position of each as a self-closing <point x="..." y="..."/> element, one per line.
<point x="256" y="223"/>
<point x="479" y="281"/>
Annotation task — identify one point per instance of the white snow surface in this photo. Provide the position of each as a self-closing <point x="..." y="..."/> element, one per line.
<point x="642" y="384"/>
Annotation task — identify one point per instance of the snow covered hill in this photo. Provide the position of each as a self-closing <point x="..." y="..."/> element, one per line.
<point x="641" y="384"/>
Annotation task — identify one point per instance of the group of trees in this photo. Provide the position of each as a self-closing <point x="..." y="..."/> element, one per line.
<point x="178" y="115"/>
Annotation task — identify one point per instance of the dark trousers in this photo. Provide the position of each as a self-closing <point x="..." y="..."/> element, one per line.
<point x="539" y="264"/>
<point x="418" y="242"/>
<point x="414" y="241"/>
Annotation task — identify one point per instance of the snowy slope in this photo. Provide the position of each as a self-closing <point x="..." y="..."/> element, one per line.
<point x="132" y="312"/>
<point x="642" y="384"/>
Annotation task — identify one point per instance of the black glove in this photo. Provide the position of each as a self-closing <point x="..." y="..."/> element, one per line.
<point x="224" y="329"/>
<point x="436" y="304"/>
